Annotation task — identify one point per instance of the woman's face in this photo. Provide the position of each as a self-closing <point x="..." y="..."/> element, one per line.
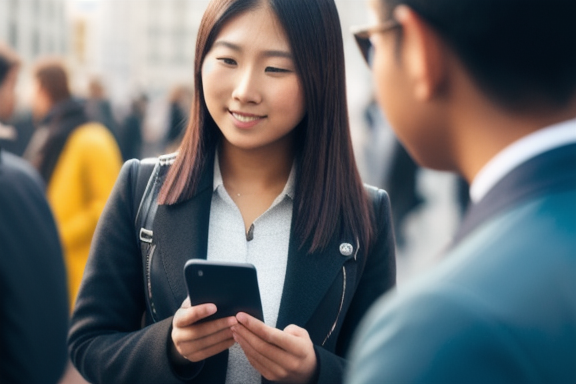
<point x="250" y="83"/>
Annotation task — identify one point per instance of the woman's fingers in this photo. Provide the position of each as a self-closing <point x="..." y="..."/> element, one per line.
<point x="289" y="340"/>
<point x="267" y="367"/>
<point x="210" y="351"/>
<point x="201" y="330"/>
<point x="199" y="349"/>
<point x="196" y="341"/>
<point x="189" y="336"/>
<point x="286" y="355"/>
<point x="187" y="315"/>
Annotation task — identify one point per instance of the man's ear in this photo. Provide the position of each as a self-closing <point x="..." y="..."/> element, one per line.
<point x="422" y="54"/>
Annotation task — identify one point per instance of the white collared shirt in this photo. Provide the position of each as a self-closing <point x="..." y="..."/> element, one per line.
<point x="267" y="251"/>
<point x="518" y="152"/>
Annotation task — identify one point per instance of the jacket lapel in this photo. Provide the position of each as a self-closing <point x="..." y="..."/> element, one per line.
<point x="181" y="233"/>
<point x="308" y="278"/>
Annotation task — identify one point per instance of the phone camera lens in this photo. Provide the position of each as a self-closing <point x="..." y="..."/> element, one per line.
<point x="200" y="273"/>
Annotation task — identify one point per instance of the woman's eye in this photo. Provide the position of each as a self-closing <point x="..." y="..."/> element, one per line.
<point x="277" y="70"/>
<point x="227" y="61"/>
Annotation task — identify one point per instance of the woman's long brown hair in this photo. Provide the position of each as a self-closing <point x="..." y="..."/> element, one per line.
<point x="329" y="194"/>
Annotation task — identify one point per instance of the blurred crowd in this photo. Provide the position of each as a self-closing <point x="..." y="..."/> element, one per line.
<point x="126" y="123"/>
<point x="59" y="161"/>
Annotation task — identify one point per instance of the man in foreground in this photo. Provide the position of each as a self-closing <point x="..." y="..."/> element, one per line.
<point x="486" y="88"/>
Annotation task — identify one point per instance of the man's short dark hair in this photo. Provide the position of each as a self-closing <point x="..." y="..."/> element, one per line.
<point x="521" y="53"/>
<point x="8" y="60"/>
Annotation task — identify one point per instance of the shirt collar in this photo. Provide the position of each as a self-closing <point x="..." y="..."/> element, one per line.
<point x="288" y="190"/>
<point x="518" y="152"/>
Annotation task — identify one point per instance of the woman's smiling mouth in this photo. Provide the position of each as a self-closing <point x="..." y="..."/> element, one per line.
<point x="245" y="118"/>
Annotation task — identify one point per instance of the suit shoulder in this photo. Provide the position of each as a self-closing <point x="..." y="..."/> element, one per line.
<point x="375" y="194"/>
<point x="426" y="322"/>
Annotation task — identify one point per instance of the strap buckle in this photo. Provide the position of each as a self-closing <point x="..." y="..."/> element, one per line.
<point x="146" y="235"/>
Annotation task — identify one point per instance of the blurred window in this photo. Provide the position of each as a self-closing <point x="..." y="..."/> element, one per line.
<point x="13" y="34"/>
<point x="36" y="9"/>
<point x="35" y="43"/>
<point x="13" y="23"/>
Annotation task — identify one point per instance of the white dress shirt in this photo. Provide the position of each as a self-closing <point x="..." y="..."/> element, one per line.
<point x="518" y="152"/>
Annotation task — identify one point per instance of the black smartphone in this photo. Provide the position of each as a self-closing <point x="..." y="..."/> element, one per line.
<point x="233" y="287"/>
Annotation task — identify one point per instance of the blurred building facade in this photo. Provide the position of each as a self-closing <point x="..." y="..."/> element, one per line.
<point x="34" y="27"/>
<point x="149" y="44"/>
<point x="143" y="45"/>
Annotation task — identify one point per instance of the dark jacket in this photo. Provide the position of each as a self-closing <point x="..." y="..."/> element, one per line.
<point x="325" y="292"/>
<point x="33" y="295"/>
<point x="60" y="122"/>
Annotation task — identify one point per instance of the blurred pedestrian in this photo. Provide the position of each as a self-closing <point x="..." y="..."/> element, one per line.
<point x="98" y="108"/>
<point x="486" y="88"/>
<point x="265" y="174"/>
<point x="180" y="99"/>
<point x="33" y="295"/>
<point x="78" y="159"/>
<point x="130" y="133"/>
<point x="401" y="184"/>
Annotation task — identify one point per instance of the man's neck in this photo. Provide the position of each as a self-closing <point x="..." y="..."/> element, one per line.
<point x="482" y="134"/>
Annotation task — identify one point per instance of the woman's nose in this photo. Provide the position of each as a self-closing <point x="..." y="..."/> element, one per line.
<point x="247" y="88"/>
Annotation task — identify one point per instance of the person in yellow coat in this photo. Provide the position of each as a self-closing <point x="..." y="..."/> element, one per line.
<point x="79" y="161"/>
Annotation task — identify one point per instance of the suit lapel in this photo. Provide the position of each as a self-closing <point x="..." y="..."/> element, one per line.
<point x="547" y="173"/>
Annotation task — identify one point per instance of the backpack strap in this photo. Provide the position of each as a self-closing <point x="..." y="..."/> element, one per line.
<point x="145" y="172"/>
<point x="152" y="172"/>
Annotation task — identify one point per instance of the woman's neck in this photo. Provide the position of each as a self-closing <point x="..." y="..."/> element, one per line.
<point x="254" y="172"/>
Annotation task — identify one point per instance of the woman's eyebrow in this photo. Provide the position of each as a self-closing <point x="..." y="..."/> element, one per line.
<point x="268" y="53"/>
<point x="227" y="45"/>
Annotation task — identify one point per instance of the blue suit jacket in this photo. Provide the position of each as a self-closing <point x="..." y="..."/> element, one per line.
<point x="502" y="307"/>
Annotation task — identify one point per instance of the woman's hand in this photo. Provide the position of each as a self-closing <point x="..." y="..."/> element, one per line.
<point x="196" y="342"/>
<point x="284" y="356"/>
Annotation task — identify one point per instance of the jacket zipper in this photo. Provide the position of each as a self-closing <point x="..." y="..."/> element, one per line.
<point x="149" y="280"/>
<point x="341" y="305"/>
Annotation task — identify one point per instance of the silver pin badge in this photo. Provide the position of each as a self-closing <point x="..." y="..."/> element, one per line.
<point x="346" y="249"/>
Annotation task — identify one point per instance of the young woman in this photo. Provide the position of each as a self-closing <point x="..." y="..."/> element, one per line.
<point x="266" y="175"/>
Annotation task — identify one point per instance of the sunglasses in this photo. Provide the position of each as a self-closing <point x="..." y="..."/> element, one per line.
<point x="362" y="36"/>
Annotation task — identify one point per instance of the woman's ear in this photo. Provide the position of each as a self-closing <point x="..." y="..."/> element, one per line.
<point x="422" y="54"/>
